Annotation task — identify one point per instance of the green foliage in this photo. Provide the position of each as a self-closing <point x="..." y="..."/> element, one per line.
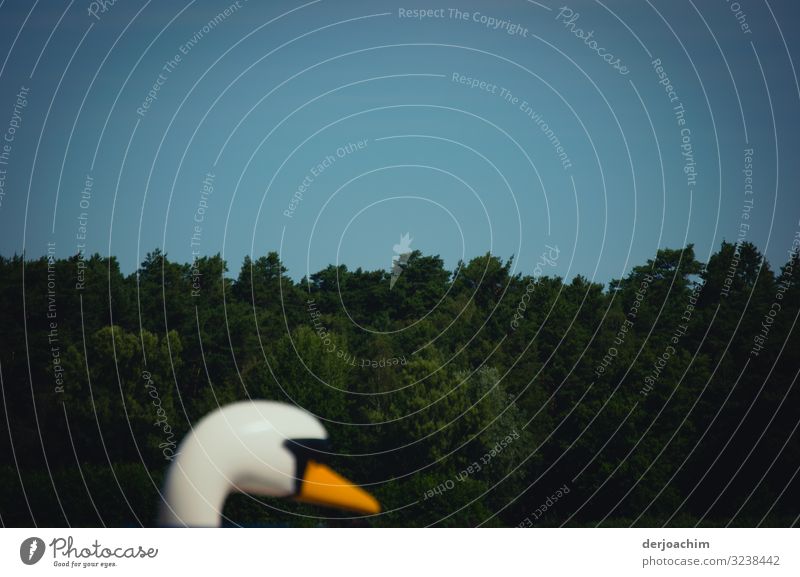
<point x="644" y="399"/>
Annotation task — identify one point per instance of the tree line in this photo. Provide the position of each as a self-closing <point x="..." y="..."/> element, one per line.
<point x="471" y="396"/>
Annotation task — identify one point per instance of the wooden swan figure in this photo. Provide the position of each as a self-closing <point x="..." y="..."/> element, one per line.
<point x="258" y="447"/>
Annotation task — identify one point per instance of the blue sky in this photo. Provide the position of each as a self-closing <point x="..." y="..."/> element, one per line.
<point x="272" y="90"/>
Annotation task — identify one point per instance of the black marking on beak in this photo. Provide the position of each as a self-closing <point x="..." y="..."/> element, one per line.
<point x="305" y="450"/>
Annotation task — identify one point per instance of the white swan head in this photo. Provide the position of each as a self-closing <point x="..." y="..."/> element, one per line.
<point x="258" y="447"/>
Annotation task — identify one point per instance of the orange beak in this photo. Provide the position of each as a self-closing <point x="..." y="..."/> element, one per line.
<point x="322" y="485"/>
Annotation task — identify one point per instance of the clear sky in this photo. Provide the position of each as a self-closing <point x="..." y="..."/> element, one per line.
<point x="326" y="130"/>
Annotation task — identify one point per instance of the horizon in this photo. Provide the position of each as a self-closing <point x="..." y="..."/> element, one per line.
<point x="233" y="273"/>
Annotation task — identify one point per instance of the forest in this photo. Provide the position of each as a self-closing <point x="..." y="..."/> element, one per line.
<point x="475" y="396"/>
